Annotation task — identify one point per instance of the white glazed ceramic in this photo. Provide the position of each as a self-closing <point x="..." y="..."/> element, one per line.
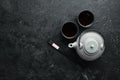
<point x="89" y="45"/>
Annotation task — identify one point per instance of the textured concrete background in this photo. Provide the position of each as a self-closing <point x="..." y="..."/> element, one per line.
<point x="26" y="25"/>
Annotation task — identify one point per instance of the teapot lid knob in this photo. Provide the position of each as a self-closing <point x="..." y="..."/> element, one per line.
<point x="91" y="46"/>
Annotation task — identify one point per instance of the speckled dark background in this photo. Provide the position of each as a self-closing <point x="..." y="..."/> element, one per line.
<point x="26" y="25"/>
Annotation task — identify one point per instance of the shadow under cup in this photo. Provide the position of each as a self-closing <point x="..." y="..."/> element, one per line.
<point x="69" y="30"/>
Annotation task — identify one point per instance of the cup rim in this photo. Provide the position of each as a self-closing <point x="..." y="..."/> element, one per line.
<point x="88" y="24"/>
<point x="71" y="36"/>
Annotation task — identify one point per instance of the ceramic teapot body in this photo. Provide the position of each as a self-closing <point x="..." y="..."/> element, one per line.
<point x="89" y="45"/>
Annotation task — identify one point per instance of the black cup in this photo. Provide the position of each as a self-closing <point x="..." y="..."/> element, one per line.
<point x="85" y="18"/>
<point x="69" y="30"/>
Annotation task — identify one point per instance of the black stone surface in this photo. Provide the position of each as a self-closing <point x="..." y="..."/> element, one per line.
<point x="26" y="26"/>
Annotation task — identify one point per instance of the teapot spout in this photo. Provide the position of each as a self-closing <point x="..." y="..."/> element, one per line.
<point x="72" y="45"/>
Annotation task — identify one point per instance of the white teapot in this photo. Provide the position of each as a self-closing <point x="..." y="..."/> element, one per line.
<point x="89" y="45"/>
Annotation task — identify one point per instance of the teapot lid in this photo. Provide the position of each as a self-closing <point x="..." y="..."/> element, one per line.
<point x="91" y="46"/>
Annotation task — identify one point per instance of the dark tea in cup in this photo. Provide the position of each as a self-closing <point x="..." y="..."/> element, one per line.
<point x="85" y="18"/>
<point x="69" y="30"/>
